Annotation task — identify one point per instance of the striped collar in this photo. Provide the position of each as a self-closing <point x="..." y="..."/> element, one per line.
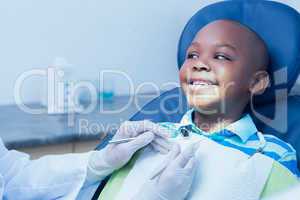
<point x="244" y="128"/>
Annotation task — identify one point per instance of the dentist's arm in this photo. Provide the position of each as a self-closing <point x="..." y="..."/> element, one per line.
<point x="63" y="176"/>
<point x="49" y="177"/>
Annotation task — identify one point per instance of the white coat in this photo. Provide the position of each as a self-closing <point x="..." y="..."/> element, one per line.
<point x="50" y="177"/>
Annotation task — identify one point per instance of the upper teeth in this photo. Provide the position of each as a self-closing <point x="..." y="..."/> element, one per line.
<point x="200" y="83"/>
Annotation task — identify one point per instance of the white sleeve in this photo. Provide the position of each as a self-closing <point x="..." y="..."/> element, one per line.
<point x="50" y="177"/>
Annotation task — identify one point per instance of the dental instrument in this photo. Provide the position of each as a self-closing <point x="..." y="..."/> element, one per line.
<point x="119" y="141"/>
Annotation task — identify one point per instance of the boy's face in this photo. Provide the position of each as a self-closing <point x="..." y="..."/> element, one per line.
<point x="221" y="65"/>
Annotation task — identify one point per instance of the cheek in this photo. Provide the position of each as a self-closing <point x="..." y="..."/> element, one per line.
<point x="182" y="73"/>
<point x="221" y="73"/>
<point x="232" y="80"/>
<point x="234" y="85"/>
<point x="230" y="75"/>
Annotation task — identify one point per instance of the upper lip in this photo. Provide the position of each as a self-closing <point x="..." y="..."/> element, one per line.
<point x="207" y="81"/>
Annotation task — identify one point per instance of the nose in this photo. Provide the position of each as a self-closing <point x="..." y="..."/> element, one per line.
<point x="200" y="67"/>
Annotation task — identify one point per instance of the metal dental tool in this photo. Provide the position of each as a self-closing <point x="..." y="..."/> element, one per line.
<point x="119" y="141"/>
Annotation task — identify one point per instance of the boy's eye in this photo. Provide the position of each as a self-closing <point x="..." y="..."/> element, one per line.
<point x="192" y="55"/>
<point x="222" y="57"/>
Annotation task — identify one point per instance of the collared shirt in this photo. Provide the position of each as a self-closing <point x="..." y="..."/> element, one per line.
<point x="241" y="135"/>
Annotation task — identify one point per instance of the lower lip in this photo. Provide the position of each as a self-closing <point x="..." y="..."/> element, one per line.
<point x="204" y="88"/>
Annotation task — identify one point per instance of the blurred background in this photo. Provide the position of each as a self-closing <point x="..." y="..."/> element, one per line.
<point x="137" y="37"/>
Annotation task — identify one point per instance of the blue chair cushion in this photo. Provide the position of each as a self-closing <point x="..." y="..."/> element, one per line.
<point x="276" y="23"/>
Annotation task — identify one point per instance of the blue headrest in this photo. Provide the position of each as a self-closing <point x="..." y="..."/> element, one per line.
<point x="277" y="24"/>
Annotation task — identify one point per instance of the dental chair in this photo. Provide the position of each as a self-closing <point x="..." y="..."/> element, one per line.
<point x="274" y="112"/>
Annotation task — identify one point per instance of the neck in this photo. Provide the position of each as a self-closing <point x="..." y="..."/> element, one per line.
<point x="215" y="122"/>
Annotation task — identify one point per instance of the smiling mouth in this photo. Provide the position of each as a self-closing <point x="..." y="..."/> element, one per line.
<point x="200" y="83"/>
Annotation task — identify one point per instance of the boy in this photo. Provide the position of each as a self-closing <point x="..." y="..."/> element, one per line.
<point x="217" y="71"/>
<point x="225" y="65"/>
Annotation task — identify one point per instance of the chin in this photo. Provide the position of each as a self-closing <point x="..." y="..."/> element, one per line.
<point x="205" y="105"/>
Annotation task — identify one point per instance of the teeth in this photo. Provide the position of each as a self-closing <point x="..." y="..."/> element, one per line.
<point x="201" y="83"/>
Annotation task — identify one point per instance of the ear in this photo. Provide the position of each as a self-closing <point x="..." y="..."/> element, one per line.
<point x="259" y="82"/>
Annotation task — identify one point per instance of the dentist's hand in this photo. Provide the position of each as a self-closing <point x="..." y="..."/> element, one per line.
<point x="173" y="179"/>
<point x="114" y="156"/>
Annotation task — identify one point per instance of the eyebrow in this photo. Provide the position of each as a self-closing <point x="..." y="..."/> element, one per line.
<point x="195" y="44"/>
<point x="227" y="46"/>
